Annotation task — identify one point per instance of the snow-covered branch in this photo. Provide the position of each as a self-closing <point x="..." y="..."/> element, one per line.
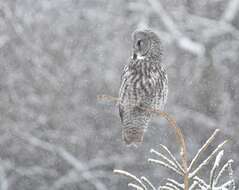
<point x="68" y="157"/>
<point x="182" y="40"/>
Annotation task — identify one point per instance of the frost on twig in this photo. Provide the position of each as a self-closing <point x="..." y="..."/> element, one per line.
<point x="207" y="160"/>
<point x="216" y="176"/>
<point x="203" y="148"/>
<point x="141" y="183"/>
<point x="144" y="179"/>
<point x="190" y="172"/>
<point x="218" y="173"/>
<point x="215" y="166"/>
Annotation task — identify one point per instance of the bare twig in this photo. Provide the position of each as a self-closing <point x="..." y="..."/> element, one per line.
<point x="107" y="98"/>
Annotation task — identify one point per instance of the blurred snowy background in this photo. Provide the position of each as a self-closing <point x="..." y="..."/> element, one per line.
<point x="56" y="56"/>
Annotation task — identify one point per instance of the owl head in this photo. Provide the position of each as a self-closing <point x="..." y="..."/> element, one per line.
<point x="146" y="43"/>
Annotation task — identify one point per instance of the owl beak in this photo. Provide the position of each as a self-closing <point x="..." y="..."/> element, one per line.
<point x="137" y="55"/>
<point x="140" y="57"/>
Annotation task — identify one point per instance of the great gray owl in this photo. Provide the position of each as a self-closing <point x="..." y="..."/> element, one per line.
<point x="144" y="86"/>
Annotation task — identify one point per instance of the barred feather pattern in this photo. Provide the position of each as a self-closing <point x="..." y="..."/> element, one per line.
<point x="144" y="85"/>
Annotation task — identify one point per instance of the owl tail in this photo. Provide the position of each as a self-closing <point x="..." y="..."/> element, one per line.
<point x="133" y="135"/>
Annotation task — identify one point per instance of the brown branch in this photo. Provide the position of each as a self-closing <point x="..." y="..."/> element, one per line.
<point x="102" y="98"/>
<point x="181" y="141"/>
<point x="178" y="132"/>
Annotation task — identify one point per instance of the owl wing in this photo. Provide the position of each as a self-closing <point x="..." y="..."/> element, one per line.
<point x="123" y="94"/>
<point x="136" y="91"/>
<point x="161" y="89"/>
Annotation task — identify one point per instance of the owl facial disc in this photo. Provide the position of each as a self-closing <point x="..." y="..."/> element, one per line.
<point x="141" y="44"/>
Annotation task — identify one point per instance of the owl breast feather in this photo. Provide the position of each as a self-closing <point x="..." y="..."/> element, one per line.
<point x="143" y="87"/>
<point x="143" y="83"/>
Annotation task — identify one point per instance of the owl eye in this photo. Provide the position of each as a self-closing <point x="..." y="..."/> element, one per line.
<point x="139" y="43"/>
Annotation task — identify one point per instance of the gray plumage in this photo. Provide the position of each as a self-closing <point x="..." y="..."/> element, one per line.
<point x="144" y="86"/>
